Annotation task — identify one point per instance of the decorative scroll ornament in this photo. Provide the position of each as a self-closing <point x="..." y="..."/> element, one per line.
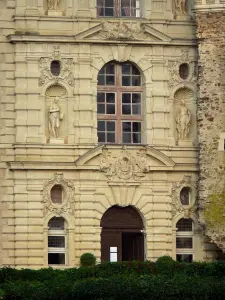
<point x="67" y="205"/>
<point x="123" y="31"/>
<point x="66" y="68"/>
<point x="174" y="76"/>
<point x="177" y="207"/>
<point x="125" y="166"/>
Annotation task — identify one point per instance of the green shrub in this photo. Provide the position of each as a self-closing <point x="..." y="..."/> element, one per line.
<point x="166" y="265"/>
<point x="87" y="260"/>
<point x="166" y="259"/>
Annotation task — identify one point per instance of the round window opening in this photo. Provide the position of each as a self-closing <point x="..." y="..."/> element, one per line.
<point x="184" y="71"/>
<point x="185" y="196"/>
<point x="57" y="194"/>
<point x="55" y="67"/>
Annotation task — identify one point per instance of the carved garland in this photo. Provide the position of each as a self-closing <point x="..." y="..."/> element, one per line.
<point x="124" y="167"/>
<point x="123" y="31"/>
<point x="66" y="68"/>
<point x="67" y="205"/>
<point x="177" y="207"/>
<point x="173" y="66"/>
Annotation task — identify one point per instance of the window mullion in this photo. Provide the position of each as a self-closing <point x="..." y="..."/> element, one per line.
<point x="119" y="117"/>
<point x="117" y="8"/>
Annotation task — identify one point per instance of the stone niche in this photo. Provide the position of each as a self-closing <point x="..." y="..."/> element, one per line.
<point x="56" y="114"/>
<point x="54" y="8"/>
<point x="184" y="116"/>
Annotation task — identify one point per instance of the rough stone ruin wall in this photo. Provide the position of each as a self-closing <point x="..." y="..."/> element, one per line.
<point x="211" y="120"/>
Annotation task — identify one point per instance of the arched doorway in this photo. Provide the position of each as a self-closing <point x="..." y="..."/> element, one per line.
<point x="122" y="237"/>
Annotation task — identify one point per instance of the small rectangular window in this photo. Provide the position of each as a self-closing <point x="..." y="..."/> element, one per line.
<point x="118" y="8"/>
<point x="131" y="132"/>
<point x="106" y="131"/>
<point x="56" y="258"/>
<point x="184" y="242"/>
<point x="184" y="257"/>
<point x="56" y="241"/>
<point x="106" y="103"/>
<point x="106" y="8"/>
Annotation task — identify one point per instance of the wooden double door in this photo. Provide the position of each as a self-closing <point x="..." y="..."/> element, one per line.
<point x="122" y="236"/>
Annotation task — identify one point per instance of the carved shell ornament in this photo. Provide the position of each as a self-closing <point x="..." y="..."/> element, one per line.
<point x="67" y="204"/>
<point x="65" y="72"/>
<point x="124" y="166"/>
<point x="177" y="207"/>
<point x="174" y="70"/>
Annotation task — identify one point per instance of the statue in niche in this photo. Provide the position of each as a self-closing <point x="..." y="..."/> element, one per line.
<point x="54" y="118"/>
<point x="183" y="121"/>
<point x="180" y="7"/>
<point x="53" y="4"/>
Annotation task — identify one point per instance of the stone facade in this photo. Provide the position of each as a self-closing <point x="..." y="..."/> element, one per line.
<point x="33" y="159"/>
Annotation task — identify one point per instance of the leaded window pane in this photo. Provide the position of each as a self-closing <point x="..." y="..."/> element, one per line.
<point x="184" y="225"/>
<point x="56" y="224"/>
<point x="56" y="241"/>
<point x="184" y="242"/>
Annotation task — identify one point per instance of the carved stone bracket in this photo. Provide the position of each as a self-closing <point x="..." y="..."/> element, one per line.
<point x="177" y="207"/>
<point x="124" y="167"/>
<point x="66" y="68"/>
<point x="173" y="67"/>
<point x="67" y="205"/>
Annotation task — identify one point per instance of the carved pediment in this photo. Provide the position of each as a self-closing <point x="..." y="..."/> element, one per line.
<point x="123" y="31"/>
<point x="139" y="158"/>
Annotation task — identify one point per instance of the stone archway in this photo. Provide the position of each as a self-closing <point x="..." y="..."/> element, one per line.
<point x="122" y="237"/>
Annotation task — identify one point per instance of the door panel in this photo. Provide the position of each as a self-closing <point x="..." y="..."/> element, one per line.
<point x="111" y="239"/>
<point x="132" y="246"/>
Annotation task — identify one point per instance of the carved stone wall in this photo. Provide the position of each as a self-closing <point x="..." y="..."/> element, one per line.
<point x="33" y="35"/>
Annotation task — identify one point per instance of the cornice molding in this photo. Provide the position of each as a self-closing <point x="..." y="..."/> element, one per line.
<point x="29" y="38"/>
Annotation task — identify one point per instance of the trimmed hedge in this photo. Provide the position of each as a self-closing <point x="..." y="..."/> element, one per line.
<point x="119" y="287"/>
<point x="163" y="267"/>
<point x="165" y="279"/>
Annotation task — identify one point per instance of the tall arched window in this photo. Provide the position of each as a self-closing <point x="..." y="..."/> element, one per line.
<point x="184" y="240"/>
<point x="57" y="241"/>
<point x="119" y="104"/>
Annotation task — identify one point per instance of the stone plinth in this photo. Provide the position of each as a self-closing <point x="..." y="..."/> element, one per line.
<point x="185" y="143"/>
<point x="55" y="13"/>
<point x="183" y="18"/>
<point x="56" y="141"/>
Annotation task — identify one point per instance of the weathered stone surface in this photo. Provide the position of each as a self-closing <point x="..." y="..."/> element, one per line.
<point x="211" y="122"/>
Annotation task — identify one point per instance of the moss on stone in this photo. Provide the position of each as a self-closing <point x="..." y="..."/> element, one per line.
<point x="215" y="211"/>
